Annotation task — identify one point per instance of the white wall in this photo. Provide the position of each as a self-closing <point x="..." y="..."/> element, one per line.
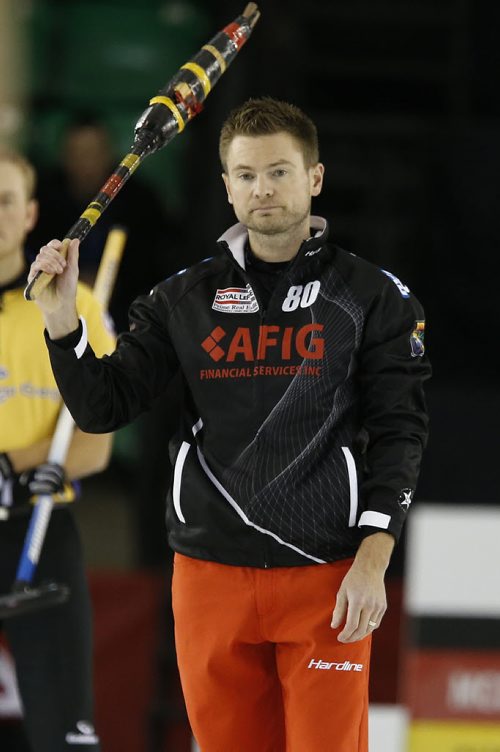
<point x="453" y="561"/>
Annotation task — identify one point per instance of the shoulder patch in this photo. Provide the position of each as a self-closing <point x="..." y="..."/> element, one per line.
<point x="417" y="340"/>
<point x="403" y="289"/>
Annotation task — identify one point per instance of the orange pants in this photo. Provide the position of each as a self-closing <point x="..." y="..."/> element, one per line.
<point x="261" y="668"/>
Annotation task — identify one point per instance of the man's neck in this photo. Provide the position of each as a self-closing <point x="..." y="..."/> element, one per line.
<point x="11" y="267"/>
<point x="283" y="246"/>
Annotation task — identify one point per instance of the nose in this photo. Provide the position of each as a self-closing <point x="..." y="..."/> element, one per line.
<point x="262" y="187"/>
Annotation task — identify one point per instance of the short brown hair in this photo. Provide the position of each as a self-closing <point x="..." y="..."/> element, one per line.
<point x="25" y="167"/>
<point x="266" y="116"/>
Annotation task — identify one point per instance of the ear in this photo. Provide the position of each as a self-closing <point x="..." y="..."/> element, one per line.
<point x="316" y="174"/>
<point x="31" y="215"/>
<point x="228" y="189"/>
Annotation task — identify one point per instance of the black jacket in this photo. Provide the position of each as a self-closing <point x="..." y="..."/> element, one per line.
<point x="304" y="423"/>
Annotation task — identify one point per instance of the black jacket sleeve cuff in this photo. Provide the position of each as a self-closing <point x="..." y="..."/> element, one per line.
<point x="70" y="341"/>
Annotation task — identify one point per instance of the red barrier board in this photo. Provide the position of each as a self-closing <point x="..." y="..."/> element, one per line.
<point x="129" y="635"/>
<point x="463" y="685"/>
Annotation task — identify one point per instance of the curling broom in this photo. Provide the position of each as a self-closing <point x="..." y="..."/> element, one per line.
<point x="167" y="115"/>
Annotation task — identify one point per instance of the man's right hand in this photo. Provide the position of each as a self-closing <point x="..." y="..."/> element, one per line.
<point x="58" y="300"/>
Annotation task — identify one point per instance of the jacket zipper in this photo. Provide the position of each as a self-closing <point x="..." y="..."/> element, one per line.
<point x="262" y="316"/>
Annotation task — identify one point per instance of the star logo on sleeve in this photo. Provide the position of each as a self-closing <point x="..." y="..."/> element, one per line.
<point x="405" y="498"/>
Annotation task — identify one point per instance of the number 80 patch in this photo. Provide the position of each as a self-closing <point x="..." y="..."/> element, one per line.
<point x="301" y="295"/>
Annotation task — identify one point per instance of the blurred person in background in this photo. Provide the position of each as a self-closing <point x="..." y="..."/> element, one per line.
<point x="52" y="648"/>
<point x="86" y="160"/>
<point x="299" y="450"/>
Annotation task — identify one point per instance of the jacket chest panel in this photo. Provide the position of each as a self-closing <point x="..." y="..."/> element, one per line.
<point x="250" y="359"/>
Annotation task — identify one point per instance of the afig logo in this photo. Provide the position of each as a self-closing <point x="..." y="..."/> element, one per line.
<point x="303" y="342"/>
<point x="210" y="343"/>
<point x="296" y="348"/>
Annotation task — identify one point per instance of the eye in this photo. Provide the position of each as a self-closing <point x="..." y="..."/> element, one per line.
<point x="245" y="176"/>
<point x="279" y="172"/>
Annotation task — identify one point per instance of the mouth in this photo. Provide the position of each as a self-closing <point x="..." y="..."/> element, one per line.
<point x="265" y="208"/>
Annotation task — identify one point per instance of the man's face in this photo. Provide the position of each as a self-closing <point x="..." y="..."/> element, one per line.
<point x="17" y="213"/>
<point x="268" y="183"/>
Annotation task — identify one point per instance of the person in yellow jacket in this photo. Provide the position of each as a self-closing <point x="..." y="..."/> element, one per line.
<point x="52" y="648"/>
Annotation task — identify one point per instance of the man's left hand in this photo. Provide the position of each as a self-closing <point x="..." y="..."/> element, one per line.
<point x="361" y="599"/>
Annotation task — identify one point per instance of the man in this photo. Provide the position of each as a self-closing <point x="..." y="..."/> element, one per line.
<point x="51" y="648"/>
<point x="303" y="428"/>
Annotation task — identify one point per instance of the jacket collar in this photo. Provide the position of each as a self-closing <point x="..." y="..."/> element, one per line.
<point x="235" y="238"/>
